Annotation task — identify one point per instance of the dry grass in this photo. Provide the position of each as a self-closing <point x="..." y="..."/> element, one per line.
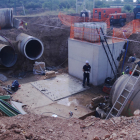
<point x="48" y="13"/>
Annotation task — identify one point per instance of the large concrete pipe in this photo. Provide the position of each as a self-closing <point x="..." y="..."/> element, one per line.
<point x="7" y="56"/>
<point x="29" y="46"/>
<point x="134" y="101"/>
<point x="6" y="18"/>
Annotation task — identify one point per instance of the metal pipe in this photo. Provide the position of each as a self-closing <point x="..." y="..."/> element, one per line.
<point x="8" y="57"/>
<point x="6" y="18"/>
<point x="133" y="102"/>
<point x="31" y="47"/>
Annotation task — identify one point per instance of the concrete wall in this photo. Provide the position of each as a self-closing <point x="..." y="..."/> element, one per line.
<point x="80" y="51"/>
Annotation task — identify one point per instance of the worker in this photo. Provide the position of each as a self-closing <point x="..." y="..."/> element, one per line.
<point x="127" y="69"/>
<point x="21" y="25"/>
<point x="26" y="25"/>
<point x="86" y="70"/>
<point x="123" y="73"/>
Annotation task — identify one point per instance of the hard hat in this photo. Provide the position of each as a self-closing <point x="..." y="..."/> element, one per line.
<point x="87" y="61"/>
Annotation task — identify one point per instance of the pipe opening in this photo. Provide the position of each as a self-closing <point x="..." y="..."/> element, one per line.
<point x="7" y="55"/>
<point x="33" y="49"/>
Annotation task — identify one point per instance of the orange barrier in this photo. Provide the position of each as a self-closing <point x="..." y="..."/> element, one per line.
<point x="70" y="20"/>
<point x="85" y="34"/>
<point x="126" y="31"/>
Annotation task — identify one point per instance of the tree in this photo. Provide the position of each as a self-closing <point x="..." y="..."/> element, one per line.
<point x="128" y="1"/>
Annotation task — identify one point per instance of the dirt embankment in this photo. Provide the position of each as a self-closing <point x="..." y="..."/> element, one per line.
<point x="129" y="17"/>
<point x="34" y="127"/>
<point x="54" y="38"/>
<point x="134" y="47"/>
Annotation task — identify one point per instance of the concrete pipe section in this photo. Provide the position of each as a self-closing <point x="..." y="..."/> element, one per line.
<point x="7" y="56"/>
<point x="31" y="47"/>
<point x="6" y="18"/>
<point x="134" y="101"/>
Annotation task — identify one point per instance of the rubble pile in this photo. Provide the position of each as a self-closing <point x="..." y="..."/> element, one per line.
<point x="36" y="127"/>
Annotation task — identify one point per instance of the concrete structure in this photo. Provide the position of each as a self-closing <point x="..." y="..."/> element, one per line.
<point x="80" y="51"/>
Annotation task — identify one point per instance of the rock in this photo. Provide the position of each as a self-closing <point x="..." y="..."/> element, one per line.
<point x="103" y="122"/>
<point x="92" y="117"/>
<point x="17" y="131"/>
<point x="96" y="138"/>
<point x="117" y="119"/>
<point x="123" y="132"/>
<point x="137" y="112"/>
<point x="113" y="136"/>
<point x="14" y="126"/>
<point x="2" y="126"/>
<point x="2" y="131"/>
<point x="29" y="136"/>
<point x="107" y="136"/>
<point x="82" y="126"/>
<point x="2" y="91"/>
<point x="3" y="78"/>
<point x="50" y="130"/>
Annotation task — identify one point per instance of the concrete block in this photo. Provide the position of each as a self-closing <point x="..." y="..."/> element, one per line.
<point x="80" y="51"/>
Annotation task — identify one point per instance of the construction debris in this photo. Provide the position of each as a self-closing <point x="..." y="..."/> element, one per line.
<point x="50" y="74"/>
<point x="39" y="68"/>
<point x="5" y="97"/>
<point x="18" y="106"/>
<point x="8" y="109"/>
<point x="95" y="102"/>
<point x="3" y="78"/>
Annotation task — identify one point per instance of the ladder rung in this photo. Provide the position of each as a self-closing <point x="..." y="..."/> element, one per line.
<point x="119" y="103"/>
<point x="130" y="83"/>
<point x="138" y="70"/>
<point x="116" y="109"/>
<point x="127" y="90"/>
<point x="134" y="77"/>
<point x="123" y="96"/>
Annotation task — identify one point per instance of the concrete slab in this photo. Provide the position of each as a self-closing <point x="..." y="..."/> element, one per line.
<point x="59" y="87"/>
<point x="30" y="96"/>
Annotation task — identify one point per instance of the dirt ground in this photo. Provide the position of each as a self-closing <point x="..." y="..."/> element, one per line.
<point x="35" y="127"/>
<point x="55" y="40"/>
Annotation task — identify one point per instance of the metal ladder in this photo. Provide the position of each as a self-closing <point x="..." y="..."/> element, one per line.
<point x="121" y="96"/>
<point x="105" y="49"/>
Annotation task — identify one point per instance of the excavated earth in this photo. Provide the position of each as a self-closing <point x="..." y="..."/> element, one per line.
<point x="34" y="127"/>
<point x="51" y="32"/>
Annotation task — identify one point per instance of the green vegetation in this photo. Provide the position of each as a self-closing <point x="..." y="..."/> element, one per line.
<point x="63" y="5"/>
<point x="127" y="8"/>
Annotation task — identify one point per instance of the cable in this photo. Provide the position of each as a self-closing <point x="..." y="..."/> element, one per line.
<point x="57" y="115"/>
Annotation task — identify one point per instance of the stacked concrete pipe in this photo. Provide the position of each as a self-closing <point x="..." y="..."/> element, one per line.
<point x="8" y="57"/>
<point x="134" y="101"/>
<point x="6" y="18"/>
<point x="29" y="46"/>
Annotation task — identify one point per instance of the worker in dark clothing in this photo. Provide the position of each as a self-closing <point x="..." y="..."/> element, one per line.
<point x="86" y="70"/>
